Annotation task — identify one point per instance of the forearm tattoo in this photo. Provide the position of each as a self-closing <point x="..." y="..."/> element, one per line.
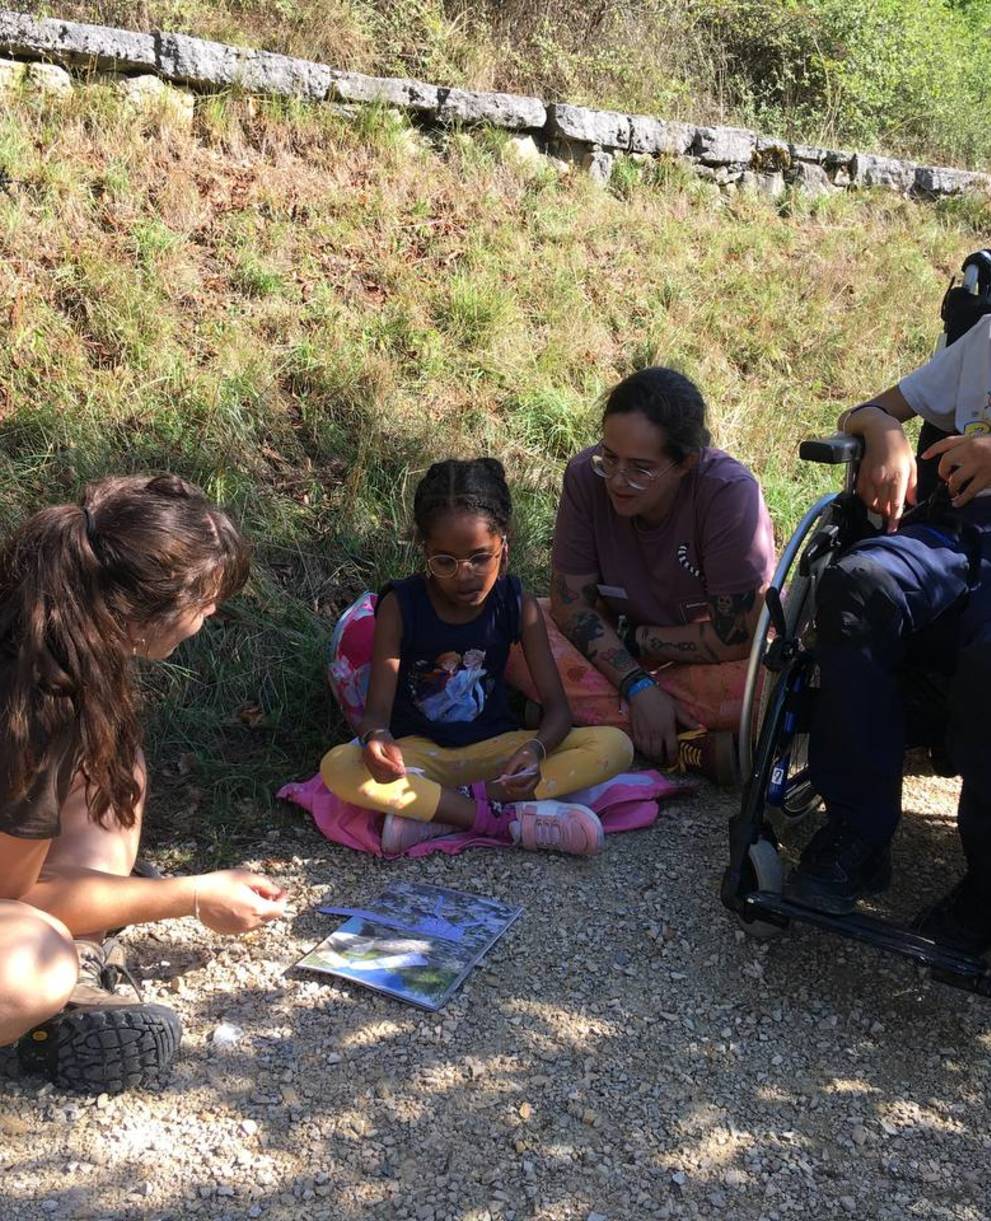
<point x="584" y="629"/>
<point x="588" y="594"/>
<point x="699" y="650"/>
<point x="619" y="658"/>
<point x="729" y="616"/>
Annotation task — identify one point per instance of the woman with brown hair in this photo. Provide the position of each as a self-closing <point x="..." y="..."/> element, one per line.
<point x="133" y="570"/>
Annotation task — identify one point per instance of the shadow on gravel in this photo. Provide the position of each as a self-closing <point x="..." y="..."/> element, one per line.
<point x="624" y="1051"/>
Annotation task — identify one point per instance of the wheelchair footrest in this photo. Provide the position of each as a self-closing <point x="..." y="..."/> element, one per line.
<point x="950" y="966"/>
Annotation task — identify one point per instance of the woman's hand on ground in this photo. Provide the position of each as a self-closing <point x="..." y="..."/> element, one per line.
<point x="965" y="465"/>
<point x="887" y="476"/>
<point x="520" y="776"/>
<point x="384" y="759"/>
<point x="654" y="722"/>
<point x="236" y="900"/>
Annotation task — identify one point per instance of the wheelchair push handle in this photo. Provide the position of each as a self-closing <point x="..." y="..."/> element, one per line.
<point x="839" y="448"/>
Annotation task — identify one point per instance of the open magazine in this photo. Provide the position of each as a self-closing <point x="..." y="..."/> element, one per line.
<point x="417" y="943"/>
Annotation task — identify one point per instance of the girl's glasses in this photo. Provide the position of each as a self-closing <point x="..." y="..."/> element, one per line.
<point x="446" y="566"/>
<point x="638" y="478"/>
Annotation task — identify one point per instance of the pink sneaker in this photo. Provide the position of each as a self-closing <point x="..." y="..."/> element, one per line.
<point x="400" y="833"/>
<point x="558" y="826"/>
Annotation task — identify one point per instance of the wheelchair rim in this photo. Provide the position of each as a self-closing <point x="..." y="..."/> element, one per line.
<point x="759" y="647"/>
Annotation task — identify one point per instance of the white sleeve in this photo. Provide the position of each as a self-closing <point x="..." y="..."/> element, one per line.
<point x="954" y="383"/>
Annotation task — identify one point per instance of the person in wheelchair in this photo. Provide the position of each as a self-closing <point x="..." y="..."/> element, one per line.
<point x="923" y="584"/>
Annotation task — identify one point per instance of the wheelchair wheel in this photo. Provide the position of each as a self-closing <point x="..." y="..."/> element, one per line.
<point x="795" y="586"/>
<point x="763" y="870"/>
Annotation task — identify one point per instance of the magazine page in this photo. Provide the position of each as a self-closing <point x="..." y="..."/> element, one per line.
<point x="415" y="942"/>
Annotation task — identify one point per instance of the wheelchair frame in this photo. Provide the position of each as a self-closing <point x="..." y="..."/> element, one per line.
<point x="771" y="743"/>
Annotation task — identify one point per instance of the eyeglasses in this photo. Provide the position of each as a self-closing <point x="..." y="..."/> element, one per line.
<point x="605" y="466"/>
<point x="444" y="567"/>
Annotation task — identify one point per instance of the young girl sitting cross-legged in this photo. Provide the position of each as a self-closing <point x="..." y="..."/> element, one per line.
<point x="438" y="749"/>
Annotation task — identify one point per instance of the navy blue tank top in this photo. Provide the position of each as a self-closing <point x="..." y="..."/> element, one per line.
<point x="451" y="687"/>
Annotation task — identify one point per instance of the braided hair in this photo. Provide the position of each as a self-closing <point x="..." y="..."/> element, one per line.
<point x="455" y="486"/>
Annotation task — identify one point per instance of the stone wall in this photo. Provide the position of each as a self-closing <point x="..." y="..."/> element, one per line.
<point x="42" y="50"/>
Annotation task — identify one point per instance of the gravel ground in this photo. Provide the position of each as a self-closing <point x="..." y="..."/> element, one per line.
<point x="624" y="1053"/>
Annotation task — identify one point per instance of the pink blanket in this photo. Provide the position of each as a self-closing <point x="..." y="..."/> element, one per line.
<point x="625" y="803"/>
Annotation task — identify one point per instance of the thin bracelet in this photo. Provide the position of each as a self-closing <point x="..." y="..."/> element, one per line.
<point x="196" y="900"/>
<point x="543" y="748"/>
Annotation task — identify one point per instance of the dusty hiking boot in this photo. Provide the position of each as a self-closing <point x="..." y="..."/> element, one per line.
<point x="713" y="754"/>
<point x="102" y="1042"/>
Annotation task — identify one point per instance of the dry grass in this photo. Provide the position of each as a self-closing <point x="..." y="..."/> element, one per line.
<point x="301" y="314"/>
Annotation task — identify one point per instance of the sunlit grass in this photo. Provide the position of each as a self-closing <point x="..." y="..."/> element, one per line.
<point x="301" y="314"/>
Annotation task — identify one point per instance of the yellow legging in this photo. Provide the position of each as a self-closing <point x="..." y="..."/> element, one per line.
<point x="585" y="757"/>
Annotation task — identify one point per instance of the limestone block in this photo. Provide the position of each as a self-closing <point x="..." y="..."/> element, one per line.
<point x="500" y="109"/>
<point x="807" y="152"/>
<point x="811" y="178"/>
<point x="868" y="170"/>
<point x="940" y="180"/>
<point x="195" y="61"/>
<point x="598" y="166"/>
<point x="395" y="91"/>
<point x="151" y="92"/>
<point x="724" y="145"/>
<point x="523" y="151"/>
<point x="771" y="186"/>
<point x="607" y="128"/>
<point x="49" y="78"/>
<point x="11" y="73"/>
<point x="69" y="42"/>
<point x="656" y="136"/>
<point x="837" y="159"/>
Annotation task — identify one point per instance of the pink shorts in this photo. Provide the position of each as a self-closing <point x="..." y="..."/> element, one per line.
<point x="712" y="694"/>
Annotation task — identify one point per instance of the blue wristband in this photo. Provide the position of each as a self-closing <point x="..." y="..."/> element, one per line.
<point x="640" y="685"/>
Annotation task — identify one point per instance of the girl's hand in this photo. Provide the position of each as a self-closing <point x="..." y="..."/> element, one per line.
<point x="520" y="776"/>
<point x="965" y="465"/>
<point x="654" y="721"/>
<point x="887" y="476"/>
<point x="236" y="901"/>
<point x="384" y="759"/>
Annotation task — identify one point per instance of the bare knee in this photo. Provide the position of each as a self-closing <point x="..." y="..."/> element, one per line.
<point x="38" y="968"/>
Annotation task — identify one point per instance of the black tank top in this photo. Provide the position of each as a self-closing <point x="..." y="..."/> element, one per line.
<point x="451" y="687"/>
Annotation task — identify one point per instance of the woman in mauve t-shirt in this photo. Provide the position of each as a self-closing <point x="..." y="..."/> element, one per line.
<point x="84" y="588"/>
<point x="662" y="550"/>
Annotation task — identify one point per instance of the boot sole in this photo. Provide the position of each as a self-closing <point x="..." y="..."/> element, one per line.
<point x="104" y="1051"/>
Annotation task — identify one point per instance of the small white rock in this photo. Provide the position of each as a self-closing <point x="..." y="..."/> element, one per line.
<point x="227" y="1035"/>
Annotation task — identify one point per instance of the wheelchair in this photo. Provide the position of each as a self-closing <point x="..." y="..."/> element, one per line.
<point x="774" y="734"/>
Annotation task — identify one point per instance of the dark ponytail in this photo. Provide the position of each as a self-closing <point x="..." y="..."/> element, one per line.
<point x="477" y="486"/>
<point x="76" y="583"/>
<point x="671" y="401"/>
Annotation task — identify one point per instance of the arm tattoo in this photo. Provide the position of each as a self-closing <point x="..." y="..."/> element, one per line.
<point x="584" y="629"/>
<point x="729" y="616"/>
<point x="618" y="658"/>
<point x="588" y="594"/>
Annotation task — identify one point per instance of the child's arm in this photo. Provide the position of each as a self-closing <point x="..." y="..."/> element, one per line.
<point x="382" y="755"/>
<point x="556" y="721"/>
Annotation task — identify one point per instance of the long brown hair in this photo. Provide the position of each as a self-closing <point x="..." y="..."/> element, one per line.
<point x="77" y="582"/>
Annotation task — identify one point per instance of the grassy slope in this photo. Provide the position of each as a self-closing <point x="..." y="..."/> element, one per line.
<point x="300" y="314"/>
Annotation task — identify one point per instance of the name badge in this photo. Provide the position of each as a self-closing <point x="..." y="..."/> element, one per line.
<point x="612" y="591"/>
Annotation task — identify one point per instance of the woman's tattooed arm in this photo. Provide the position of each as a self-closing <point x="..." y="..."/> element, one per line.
<point x="577" y="611"/>
<point x="724" y="636"/>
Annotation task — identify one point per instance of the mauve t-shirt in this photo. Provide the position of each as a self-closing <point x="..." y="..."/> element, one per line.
<point x="717" y="539"/>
